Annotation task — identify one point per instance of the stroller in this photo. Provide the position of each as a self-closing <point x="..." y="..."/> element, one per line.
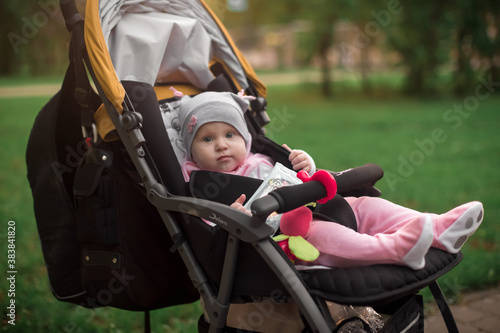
<point x="119" y="226"/>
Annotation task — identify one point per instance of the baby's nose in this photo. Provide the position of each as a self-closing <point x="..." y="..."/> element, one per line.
<point x="221" y="144"/>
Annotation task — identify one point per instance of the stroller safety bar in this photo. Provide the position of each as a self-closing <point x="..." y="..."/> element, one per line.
<point x="351" y="179"/>
<point x="228" y="218"/>
<point x="288" y="198"/>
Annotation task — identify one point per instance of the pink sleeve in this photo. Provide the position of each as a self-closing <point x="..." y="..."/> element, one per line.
<point x="256" y="166"/>
<point x="187" y="167"/>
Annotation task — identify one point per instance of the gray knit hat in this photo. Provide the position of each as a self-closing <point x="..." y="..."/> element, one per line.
<point x="209" y="107"/>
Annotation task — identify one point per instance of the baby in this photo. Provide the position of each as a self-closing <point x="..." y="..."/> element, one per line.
<point x="216" y="138"/>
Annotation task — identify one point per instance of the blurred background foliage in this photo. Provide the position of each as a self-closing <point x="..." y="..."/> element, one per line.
<point x="420" y="38"/>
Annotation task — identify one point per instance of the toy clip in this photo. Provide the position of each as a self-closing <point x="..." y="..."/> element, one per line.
<point x="323" y="177"/>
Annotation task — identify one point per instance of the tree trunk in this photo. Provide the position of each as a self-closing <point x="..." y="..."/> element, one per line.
<point x="365" y="69"/>
<point x="325" y="42"/>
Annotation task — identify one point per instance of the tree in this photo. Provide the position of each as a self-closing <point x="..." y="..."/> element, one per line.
<point x="422" y="34"/>
<point x="369" y="20"/>
<point x="323" y="16"/>
<point x="34" y="37"/>
<point x="484" y="31"/>
<point x="466" y="23"/>
<point x="477" y="40"/>
<point x="489" y="44"/>
<point x="9" y="18"/>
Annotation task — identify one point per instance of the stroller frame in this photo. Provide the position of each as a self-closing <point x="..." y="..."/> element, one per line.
<point x="236" y="223"/>
<point x="239" y="226"/>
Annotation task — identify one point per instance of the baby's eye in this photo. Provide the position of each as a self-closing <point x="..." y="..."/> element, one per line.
<point x="229" y="135"/>
<point x="207" y="139"/>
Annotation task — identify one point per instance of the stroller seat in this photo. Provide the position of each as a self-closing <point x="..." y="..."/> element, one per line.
<point x="233" y="262"/>
<point x="378" y="284"/>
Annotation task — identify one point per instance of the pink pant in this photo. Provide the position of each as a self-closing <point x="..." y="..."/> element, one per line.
<point x="389" y="233"/>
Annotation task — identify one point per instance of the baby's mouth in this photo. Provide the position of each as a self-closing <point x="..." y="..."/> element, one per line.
<point x="222" y="158"/>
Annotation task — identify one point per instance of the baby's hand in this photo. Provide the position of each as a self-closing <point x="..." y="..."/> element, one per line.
<point x="299" y="160"/>
<point x="238" y="204"/>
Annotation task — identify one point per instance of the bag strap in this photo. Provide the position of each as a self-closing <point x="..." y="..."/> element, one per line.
<point x="147" y="322"/>
<point x="83" y="91"/>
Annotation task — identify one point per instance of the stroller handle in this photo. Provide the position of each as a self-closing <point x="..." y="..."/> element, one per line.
<point x="351" y="179"/>
<point x="285" y="199"/>
<point x="70" y="13"/>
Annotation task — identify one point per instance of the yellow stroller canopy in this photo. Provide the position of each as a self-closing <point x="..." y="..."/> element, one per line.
<point x="159" y="42"/>
<point x="148" y="41"/>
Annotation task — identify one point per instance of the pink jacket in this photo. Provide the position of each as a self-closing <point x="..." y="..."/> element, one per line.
<point x="255" y="165"/>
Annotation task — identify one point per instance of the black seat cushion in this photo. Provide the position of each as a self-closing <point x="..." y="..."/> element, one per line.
<point x="378" y="284"/>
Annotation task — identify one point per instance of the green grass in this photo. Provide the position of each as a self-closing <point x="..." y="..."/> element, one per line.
<point x="29" y="80"/>
<point x="345" y="131"/>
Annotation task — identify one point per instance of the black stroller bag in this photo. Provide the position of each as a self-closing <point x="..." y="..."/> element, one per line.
<point x="96" y="252"/>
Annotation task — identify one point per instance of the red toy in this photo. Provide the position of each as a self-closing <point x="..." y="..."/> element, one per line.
<point x="295" y="224"/>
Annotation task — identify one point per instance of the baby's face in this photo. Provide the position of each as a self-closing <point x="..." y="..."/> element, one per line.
<point x="218" y="146"/>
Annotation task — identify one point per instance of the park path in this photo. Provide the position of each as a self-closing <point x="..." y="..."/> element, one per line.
<point x="477" y="312"/>
<point x="294" y="77"/>
<point x="30" y="90"/>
